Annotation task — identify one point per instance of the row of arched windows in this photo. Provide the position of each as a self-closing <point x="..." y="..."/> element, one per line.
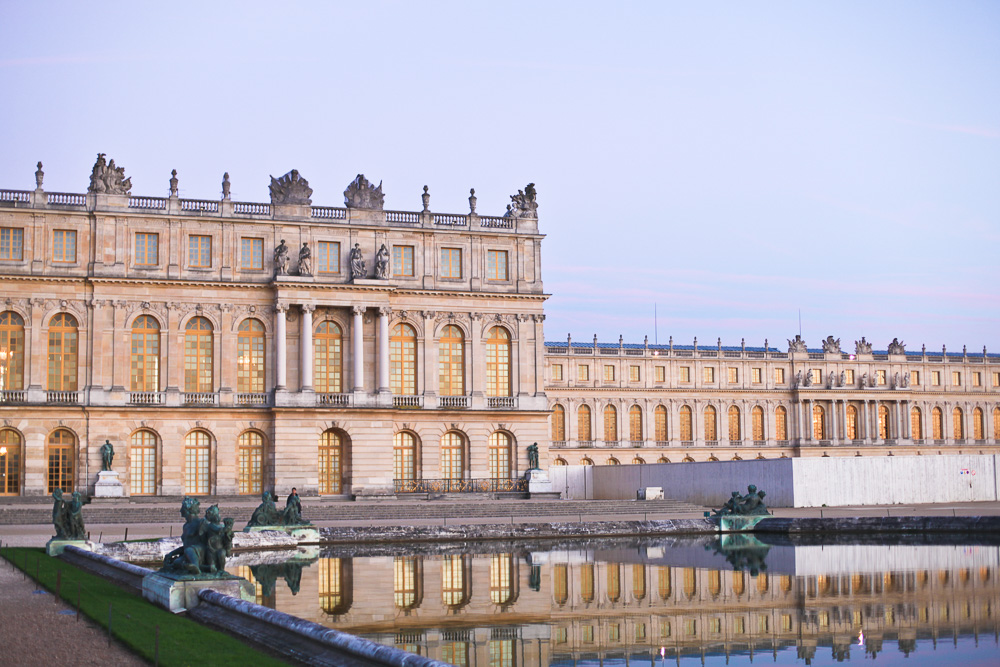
<point x="456" y="580"/>
<point x="685" y="421"/>
<point x="454" y="464"/>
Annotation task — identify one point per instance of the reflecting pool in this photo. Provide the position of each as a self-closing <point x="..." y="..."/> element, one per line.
<point x="658" y="601"/>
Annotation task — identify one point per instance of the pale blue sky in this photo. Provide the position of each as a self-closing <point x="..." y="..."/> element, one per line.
<point x="730" y="162"/>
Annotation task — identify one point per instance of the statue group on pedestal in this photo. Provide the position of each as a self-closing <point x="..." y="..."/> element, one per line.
<point x="750" y="504"/>
<point x="205" y="543"/>
<point x="67" y="516"/>
<point x="267" y="513"/>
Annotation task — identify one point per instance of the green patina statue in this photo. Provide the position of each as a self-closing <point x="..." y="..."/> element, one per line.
<point x="752" y="504"/>
<point x="67" y="516"/>
<point x="533" y="456"/>
<point x="205" y="543"/>
<point x="267" y="513"/>
<point x="107" y="455"/>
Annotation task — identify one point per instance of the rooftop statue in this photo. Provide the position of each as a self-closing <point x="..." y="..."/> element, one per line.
<point x="291" y="189"/>
<point x="523" y="204"/>
<point x="797" y="344"/>
<point x="862" y="346"/>
<point x="831" y="345"/>
<point x="896" y="347"/>
<point x="67" y="516"/>
<point x="205" y="543"/>
<point x="108" y="179"/>
<point x="361" y="194"/>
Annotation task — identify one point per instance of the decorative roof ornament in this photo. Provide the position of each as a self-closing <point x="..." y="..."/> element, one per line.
<point x="523" y="204"/>
<point x="896" y="347"/>
<point x="862" y="346"/>
<point x="290" y="190"/>
<point x="108" y="179"/>
<point x="361" y="194"/>
<point x="39" y="177"/>
<point x="831" y="345"/>
<point x="797" y="344"/>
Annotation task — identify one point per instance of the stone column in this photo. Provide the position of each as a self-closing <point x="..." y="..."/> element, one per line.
<point x="429" y="381"/>
<point x="383" y="349"/>
<point x="306" y="348"/>
<point x="358" y="341"/>
<point x="864" y="421"/>
<point x="281" y="344"/>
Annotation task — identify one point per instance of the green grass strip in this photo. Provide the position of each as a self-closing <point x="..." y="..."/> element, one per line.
<point x="134" y="619"/>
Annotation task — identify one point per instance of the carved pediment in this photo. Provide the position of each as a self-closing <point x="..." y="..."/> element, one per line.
<point x="108" y="179"/>
<point x="361" y="194"/>
<point x="291" y="189"/>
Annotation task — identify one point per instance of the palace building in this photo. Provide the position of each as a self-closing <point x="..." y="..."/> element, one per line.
<point x="227" y="347"/>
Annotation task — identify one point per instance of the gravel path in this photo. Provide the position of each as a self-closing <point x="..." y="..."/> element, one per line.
<point x="35" y="633"/>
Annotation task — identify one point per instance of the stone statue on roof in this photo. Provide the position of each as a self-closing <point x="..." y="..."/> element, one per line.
<point x="291" y="190"/>
<point x="361" y="194"/>
<point x="897" y="347"/>
<point x="862" y="346"/>
<point x="797" y="344"/>
<point x="108" y="179"/>
<point x="831" y="345"/>
<point x="524" y="204"/>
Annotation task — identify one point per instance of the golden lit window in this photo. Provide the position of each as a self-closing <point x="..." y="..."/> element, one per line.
<point x="501" y="579"/>
<point x="956" y="378"/>
<point x="661" y="374"/>
<point x="958" y="423"/>
<point x="560" y="583"/>
<point x="977" y="379"/>
<point x="451" y="263"/>
<point x="937" y="424"/>
<point x="915" y="378"/>
<point x="402" y="260"/>
<point x="334" y="586"/>
<point x="710" y="424"/>
<point x="633" y="373"/>
<point x="735" y="431"/>
<point x="250" y="357"/>
<point x="684" y="374"/>
<point x="11" y="351"/>
<point x="452" y="456"/>
<point x="819" y="422"/>
<point x="403" y="360"/>
<point x="609" y="373"/>
<point x="453" y="590"/>
<point x="936" y="378"/>
<point x="330" y="466"/>
<point x="498" y="362"/>
<point x="686" y="424"/>
<point x="328" y="358"/>
<point x="557" y="372"/>
<point x="635" y="423"/>
<point x="451" y="362"/>
<point x="733" y="375"/>
<point x="587" y="582"/>
<point x="614" y="574"/>
<point x="200" y="251"/>
<point x="197" y="475"/>
<point x="664" y="585"/>
<point x="328" y="256"/>
<point x="61" y="456"/>
<point x="499" y="455"/>
<point x="250" y="475"/>
<point x="757" y="417"/>
<point x="660" y="423"/>
<point x="978" y="425"/>
<point x="145" y="361"/>
<point x="996" y="379"/>
<point x="817" y="376"/>
<point x="852" y="422"/>
<point x="147" y="249"/>
<point x="780" y="423"/>
<point x="252" y="254"/>
<point x="583" y="424"/>
<point x="11" y="244"/>
<point x="883" y="422"/>
<point x="610" y="424"/>
<point x="849" y="377"/>
<point x="583" y="373"/>
<point x="64" y="245"/>
<point x="404" y="456"/>
<point x="880" y="377"/>
<point x="708" y="374"/>
<point x="496" y="265"/>
<point x="755" y="375"/>
<point x="198" y="355"/>
<point x="996" y="423"/>
<point x="558" y="423"/>
<point x="916" y="424"/>
<point x="63" y="353"/>
<point x="779" y="376"/>
<point x="406" y="582"/>
<point x="10" y="462"/>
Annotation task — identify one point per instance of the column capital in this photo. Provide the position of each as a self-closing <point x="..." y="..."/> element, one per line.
<point x="384" y="311"/>
<point x="281" y="308"/>
<point x="358" y="310"/>
<point x="307" y="307"/>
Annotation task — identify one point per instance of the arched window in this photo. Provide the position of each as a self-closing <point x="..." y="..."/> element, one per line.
<point x="688" y="459"/>
<point x="587" y="582"/>
<point x="197" y="471"/>
<point x="883" y="422"/>
<point x="710" y="430"/>
<point x="500" y="455"/>
<point x="638" y="460"/>
<point x="250" y="357"/>
<point x="937" y="424"/>
<point x="10" y="462"/>
<point x="559" y="461"/>
<point x="451" y="362"/>
<point x="852" y="422"/>
<point x="328" y="358"/>
<point x="663" y="459"/>
<point x="452" y="456"/>
<point x="501" y="579"/>
<point x="639" y="582"/>
<point x="687" y="432"/>
<point x="635" y="423"/>
<point x="757" y="417"/>
<point x="403" y="360"/>
<point x="250" y="447"/>
<point x="780" y="423"/>
<point x="558" y="423"/>
<point x="660" y="419"/>
<point x="958" y="423"/>
<point x="735" y="432"/>
<point x="454" y="592"/>
<point x="61" y="457"/>
<point x="198" y="355"/>
<point x="404" y="456"/>
<point x="145" y="354"/>
<point x="714" y="583"/>
<point x="663" y="583"/>
<point x="63" y="352"/>
<point x="498" y="362"/>
<point x="819" y="422"/>
<point x="996" y="423"/>
<point x="614" y="572"/>
<point x="331" y="457"/>
<point x="690" y="582"/>
<point x="11" y="351"/>
<point x="916" y="424"/>
<point x="586" y="461"/>
<point x="406" y="582"/>
<point x="762" y="583"/>
<point x="143" y="463"/>
<point x="610" y="424"/>
<point x="560" y="577"/>
<point x="583" y="424"/>
<point x="335" y="594"/>
<point x="978" y="427"/>
<point x="739" y="583"/>
<point x="613" y="462"/>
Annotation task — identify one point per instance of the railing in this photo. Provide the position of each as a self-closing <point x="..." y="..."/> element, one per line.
<point x="65" y="199"/>
<point x="145" y="398"/>
<point x="939" y="442"/>
<point x="585" y="444"/>
<point x="507" y="402"/>
<point x="152" y="203"/>
<point x="880" y="357"/>
<point x="334" y="400"/>
<point x="459" y="485"/>
<point x="782" y="443"/>
<point x="960" y="441"/>
<point x="611" y="443"/>
<point x="19" y="196"/>
<point x="890" y="441"/>
<point x="251" y="208"/>
<point x="200" y="205"/>
<point x="755" y="355"/>
<point x="329" y="213"/>
<point x="779" y="355"/>
<point x="491" y="222"/>
<point x="825" y="443"/>
<point x="450" y="219"/>
<point x="759" y="443"/>
<point x="662" y="443"/>
<point x="199" y="398"/>
<point x="687" y="443"/>
<point x="735" y="443"/>
<point x="817" y="355"/>
<point x="918" y="441"/>
<point x="558" y="444"/>
<point x="683" y="353"/>
<point x="635" y="353"/>
<point x="15" y="396"/>
<point x="611" y="351"/>
<point x="635" y="443"/>
<point x="402" y="216"/>
<point x="556" y="350"/>
<point x="407" y="401"/>
<point x="708" y="353"/>
<point x="62" y="397"/>
<point x="251" y="399"/>
<point x="711" y="443"/>
<point x="453" y="401"/>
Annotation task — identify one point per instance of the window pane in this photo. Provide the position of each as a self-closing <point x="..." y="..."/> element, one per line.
<point x="402" y="260"/>
<point x="329" y="257"/>
<point x="11" y="243"/>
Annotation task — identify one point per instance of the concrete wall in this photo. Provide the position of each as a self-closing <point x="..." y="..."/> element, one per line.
<point x="573" y="482"/>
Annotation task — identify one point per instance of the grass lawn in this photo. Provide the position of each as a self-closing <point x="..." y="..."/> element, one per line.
<point x="134" y="621"/>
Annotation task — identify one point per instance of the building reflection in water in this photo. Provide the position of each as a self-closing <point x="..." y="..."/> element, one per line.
<point x="478" y="609"/>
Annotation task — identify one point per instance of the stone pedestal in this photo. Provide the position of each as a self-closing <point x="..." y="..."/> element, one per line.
<point x="539" y="484"/>
<point x="177" y="593"/>
<point x="108" y="485"/>
<point x="302" y="534"/>
<point x="55" y="546"/>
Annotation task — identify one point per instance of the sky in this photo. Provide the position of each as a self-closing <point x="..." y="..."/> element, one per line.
<point x="726" y="165"/>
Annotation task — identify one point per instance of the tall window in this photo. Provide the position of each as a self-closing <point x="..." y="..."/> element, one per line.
<point x="501" y="578"/>
<point x="558" y="423"/>
<point x="958" y="423"/>
<point x="64" y="246"/>
<point x="147" y="247"/>
<point x="451" y="362"/>
<point x="143" y="463"/>
<point x="11" y="351"/>
<point x="331" y="453"/>
<point x="883" y="422"/>
<point x="583" y="373"/>
<point x="145" y="354"/>
<point x="200" y="251"/>
<point x="452" y="456"/>
<point x="404" y="456"/>
<point x="708" y="374"/>
<point x="496" y="265"/>
<point x="10" y="462"/>
<point x="735" y="432"/>
<point x="916" y="424"/>
<point x="250" y="357"/>
<point x="403" y="360"/>
<point x="252" y="254"/>
<point x="663" y="582"/>
<point x="996" y="423"/>
<point x="780" y="423"/>
<point x="498" y="362"/>
<point x="757" y="417"/>
<point x="684" y="374"/>
<point x="251" y="463"/>
<point x="710" y="431"/>
<point x="609" y="373"/>
<point x="198" y="355"/>
<point x="587" y="582"/>
<point x="406" y="582"/>
<point x="852" y="422"/>
<point x="453" y="580"/>
<point x="614" y="574"/>
<point x="610" y="424"/>
<point x="328" y="256"/>
<point x="500" y="449"/>
<point x="63" y="348"/>
<point x="661" y="374"/>
<point x="335" y="595"/>
<point x="583" y="424"/>
<point x="660" y="423"/>
<point x="978" y="427"/>
<point x="635" y="423"/>
<point x="686" y="423"/>
<point x="633" y="374"/>
<point x="779" y="376"/>
<point x="451" y="263"/>
<point x="733" y="374"/>
<point x="62" y="460"/>
<point x="639" y="582"/>
<point x="402" y="260"/>
<point x="937" y="424"/>
<point x="11" y="243"/>
<point x="819" y="422"/>
<point x="196" y="463"/>
<point x="328" y="358"/>
<point x="560" y="583"/>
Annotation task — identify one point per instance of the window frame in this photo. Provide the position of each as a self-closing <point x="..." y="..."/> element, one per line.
<point x="256" y="248"/>
<point x="14" y="240"/>
<point x="450" y="259"/>
<point x="399" y="261"/>
<point x="493" y="265"/>
<point x="198" y="246"/>
<point x="60" y="255"/>
<point x="324" y="255"/>
<point x="142" y="249"/>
